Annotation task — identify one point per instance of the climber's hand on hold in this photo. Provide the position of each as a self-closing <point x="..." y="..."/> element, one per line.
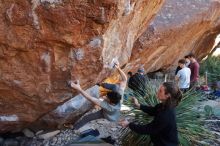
<point x="99" y="84"/>
<point x="75" y="85"/>
<point x="116" y="66"/>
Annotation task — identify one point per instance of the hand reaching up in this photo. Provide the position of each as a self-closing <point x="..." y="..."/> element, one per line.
<point x="116" y="65"/>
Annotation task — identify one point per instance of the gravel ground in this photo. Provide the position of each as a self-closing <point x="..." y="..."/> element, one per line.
<point x="66" y="136"/>
<point x="105" y="129"/>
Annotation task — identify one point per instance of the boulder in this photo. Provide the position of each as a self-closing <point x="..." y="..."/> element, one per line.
<point x="49" y="134"/>
<point x="179" y="28"/>
<point x="28" y="133"/>
<point x="69" y="112"/>
<point x="45" y="43"/>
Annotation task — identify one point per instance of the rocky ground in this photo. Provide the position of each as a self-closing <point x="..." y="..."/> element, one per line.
<point x="66" y="136"/>
<point x="105" y="128"/>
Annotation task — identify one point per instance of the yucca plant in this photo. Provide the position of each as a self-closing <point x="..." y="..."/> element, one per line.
<point x="190" y="121"/>
<point x="211" y="65"/>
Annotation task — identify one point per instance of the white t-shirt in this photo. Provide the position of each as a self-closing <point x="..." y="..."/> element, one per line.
<point x="184" y="78"/>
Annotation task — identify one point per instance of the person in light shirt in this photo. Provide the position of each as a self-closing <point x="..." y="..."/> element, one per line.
<point x="183" y="76"/>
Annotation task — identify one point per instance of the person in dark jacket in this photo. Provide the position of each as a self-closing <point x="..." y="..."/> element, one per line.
<point x="178" y="68"/>
<point x="137" y="82"/>
<point x="162" y="129"/>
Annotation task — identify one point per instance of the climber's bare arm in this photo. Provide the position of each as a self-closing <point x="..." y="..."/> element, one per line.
<point x="123" y="76"/>
<point x="77" y="87"/>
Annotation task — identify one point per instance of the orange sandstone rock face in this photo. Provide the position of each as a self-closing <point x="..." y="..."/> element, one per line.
<point x="180" y="27"/>
<point x="44" y="43"/>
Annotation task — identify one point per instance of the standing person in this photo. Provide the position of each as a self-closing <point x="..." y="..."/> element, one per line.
<point x="162" y="129"/>
<point x="119" y="87"/>
<point x="110" y="107"/>
<point x="183" y="76"/>
<point x="194" y="67"/>
<point x="177" y="69"/>
<point x="137" y="82"/>
<point x="187" y="60"/>
<point x="187" y="64"/>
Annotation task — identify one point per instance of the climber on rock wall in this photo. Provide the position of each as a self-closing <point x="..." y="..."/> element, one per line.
<point x="110" y="107"/>
<point x="119" y="87"/>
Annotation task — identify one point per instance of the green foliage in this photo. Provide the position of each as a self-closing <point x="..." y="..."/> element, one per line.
<point x="190" y="121"/>
<point x="216" y="111"/>
<point x="212" y="66"/>
<point x="208" y="111"/>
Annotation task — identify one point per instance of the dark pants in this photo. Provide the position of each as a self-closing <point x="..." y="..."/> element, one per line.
<point x="193" y="85"/>
<point x="88" y="118"/>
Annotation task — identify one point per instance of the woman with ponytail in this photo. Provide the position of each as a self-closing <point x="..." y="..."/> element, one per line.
<point x="162" y="129"/>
